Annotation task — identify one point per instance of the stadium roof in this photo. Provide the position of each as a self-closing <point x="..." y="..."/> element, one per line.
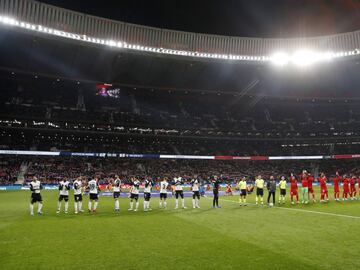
<point x="256" y="18"/>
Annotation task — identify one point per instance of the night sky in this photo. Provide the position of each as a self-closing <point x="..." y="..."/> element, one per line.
<point x="255" y="18"/>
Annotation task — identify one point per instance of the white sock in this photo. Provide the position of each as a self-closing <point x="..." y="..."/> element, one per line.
<point x="117" y="205"/>
<point x="176" y="203"/>
<point x="31" y="208"/>
<point x="183" y="202"/>
<point x="165" y="204"/>
<point x="197" y="202"/>
<point x="95" y="205"/>
<point x="80" y="206"/>
<point x="89" y="205"/>
<point x="40" y="207"/>
<point x="76" y="207"/>
<point x="131" y="205"/>
<point x="137" y="205"/>
<point x="66" y="206"/>
<point x="160" y="204"/>
<point x="194" y="203"/>
<point x="59" y="206"/>
<point x="145" y="205"/>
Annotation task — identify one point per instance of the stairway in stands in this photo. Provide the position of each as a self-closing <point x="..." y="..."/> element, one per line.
<point x="22" y="172"/>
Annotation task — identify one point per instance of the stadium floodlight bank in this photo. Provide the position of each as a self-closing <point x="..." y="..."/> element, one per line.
<point x="300" y="58"/>
<point x="299" y="52"/>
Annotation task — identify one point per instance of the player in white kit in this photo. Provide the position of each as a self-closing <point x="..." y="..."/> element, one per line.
<point x="195" y="186"/>
<point x="78" y="190"/>
<point x="64" y="187"/>
<point x="164" y="185"/>
<point x="179" y="182"/>
<point x="134" y="194"/>
<point x="35" y="187"/>
<point x="93" y="186"/>
<point x="116" y="190"/>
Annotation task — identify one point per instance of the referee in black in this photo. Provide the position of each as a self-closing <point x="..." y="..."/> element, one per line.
<point x="216" y="186"/>
<point x="271" y="186"/>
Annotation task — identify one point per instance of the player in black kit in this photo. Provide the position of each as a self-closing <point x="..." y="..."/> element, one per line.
<point x="216" y="186"/>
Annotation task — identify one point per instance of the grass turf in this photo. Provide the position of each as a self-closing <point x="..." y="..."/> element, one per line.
<point x="233" y="237"/>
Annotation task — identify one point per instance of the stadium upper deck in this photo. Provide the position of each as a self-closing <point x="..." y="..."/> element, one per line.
<point x="39" y="17"/>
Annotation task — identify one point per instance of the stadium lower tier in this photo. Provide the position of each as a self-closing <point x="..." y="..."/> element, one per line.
<point x="53" y="169"/>
<point x="50" y="140"/>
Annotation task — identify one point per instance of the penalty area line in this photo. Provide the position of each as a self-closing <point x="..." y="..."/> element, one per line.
<point x="304" y="211"/>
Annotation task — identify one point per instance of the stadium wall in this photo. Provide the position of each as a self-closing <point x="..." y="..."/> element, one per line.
<point x="158" y="156"/>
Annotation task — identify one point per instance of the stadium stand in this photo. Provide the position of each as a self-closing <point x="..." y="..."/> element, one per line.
<point x="142" y="121"/>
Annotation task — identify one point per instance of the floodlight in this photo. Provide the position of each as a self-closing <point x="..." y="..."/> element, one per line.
<point x="303" y="58"/>
<point x="280" y="59"/>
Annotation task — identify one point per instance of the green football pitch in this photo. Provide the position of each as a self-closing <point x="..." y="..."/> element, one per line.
<point x="314" y="236"/>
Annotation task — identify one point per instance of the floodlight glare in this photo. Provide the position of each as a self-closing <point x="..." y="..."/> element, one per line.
<point x="304" y="58"/>
<point x="280" y="59"/>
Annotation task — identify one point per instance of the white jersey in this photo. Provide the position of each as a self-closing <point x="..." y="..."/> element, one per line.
<point x="64" y="187"/>
<point x="35" y="186"/>
<point x="93" y="186"/>
<point x="163" y="186"/>
<point x="77" y="187"/>
<point x="195" y="185"/>
<point x="117" y="184"/>
<point x="148" y="186"/>
<point x="178" y="183"/>
<point x="135" y="187"/>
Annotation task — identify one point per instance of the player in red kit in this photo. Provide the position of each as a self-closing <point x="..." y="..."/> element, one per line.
<point x="352" y="187"/>
<point x="323" y="189"/>
<point x="304" y="187"/>
<point x="345" y="188"/>
<point x="337" y="180"/>
<point x="294" y="189"/>
<point x="311" y="189"/>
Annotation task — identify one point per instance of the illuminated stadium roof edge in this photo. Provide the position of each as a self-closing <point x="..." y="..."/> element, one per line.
<point x="300" y="58"/>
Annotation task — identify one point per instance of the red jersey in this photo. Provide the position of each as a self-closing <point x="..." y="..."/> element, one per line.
<point x="322" y="181"/>
<point x="293" y="182"/>
<point x="336" y="183"/>
<point x="304" y="181"/>
<point x="352" y="183"/>
<point x="310" y="182"/>
<point x="345" y="184"/>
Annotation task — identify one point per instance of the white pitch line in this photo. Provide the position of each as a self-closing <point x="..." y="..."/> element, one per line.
<point x="305" y="211"/>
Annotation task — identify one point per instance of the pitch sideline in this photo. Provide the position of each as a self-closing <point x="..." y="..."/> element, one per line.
<point x="303" y="210"/>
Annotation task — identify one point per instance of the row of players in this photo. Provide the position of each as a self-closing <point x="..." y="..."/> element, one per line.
<point x="92" y="187"/>
<point x="348" y="186"/>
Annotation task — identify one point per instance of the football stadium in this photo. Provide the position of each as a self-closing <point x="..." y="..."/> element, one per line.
<point x="177" y="135"/>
